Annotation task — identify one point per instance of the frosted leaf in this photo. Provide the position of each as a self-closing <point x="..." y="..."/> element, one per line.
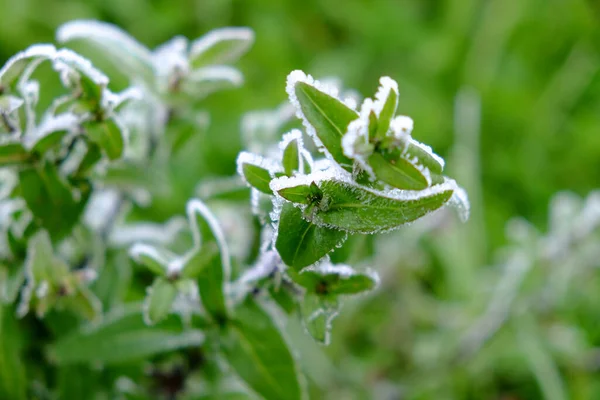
<point x="355" y="143"/>
<point x="267" y="263"/>
<point x="9" y="104"/>
<point x="194" y="207"/>
<point x="140" y="251"/>
<point x="285" y="182"/>
<point x="202" y="82"/>
<point x="112" y="101"/>
<point x="318" y="317"/>
<point x="237" y="227"/>
<point x="171" y="57"/>
<point x="249" y="158"/>
<point x="299" y="76"/>
<point x="51" y="123"/>
<point x="427" y="149"/>
<point x="402" y="127"/>
<point x="30" y="91"/>
<point x="148" y="232"/>
<point x="122" y="49"/>
<point x="67" y="61"/>
<point x="460" y="202"/>
<point x="221" y="46"/>
<point x="220" y="187"/>
<point x="387" y="85"/>
<point x="18" y="63"/>
<point x="187" y="301"/>
<point x="8" y="180"/>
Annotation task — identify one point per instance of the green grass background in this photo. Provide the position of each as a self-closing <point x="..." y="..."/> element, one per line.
<point x="530" y="66"/>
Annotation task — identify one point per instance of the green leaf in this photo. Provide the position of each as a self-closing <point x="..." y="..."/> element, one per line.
<point x="202" y="82"/>
<point x="13" y="381"/>
<point x="152" y="258"/>
<point x="220" y="46"/>
<point x="212" y="278"/>
<point x="397" y="172"/>
<point x="127" y="54"/>
<point x="357" y="209"/>
<point x="13" y="153"/>
<point x="108" y="134"/>
<point x="317" y="317"/>
<point x="424" y="157"/>
<point x="51" y="200"/>
<point x="199" y="260"/>
<point x="388" y="111"/>
<point x="330" y="118"/>
<point x="17" y="64"/>
<point x="259" y="354"/>
<point x="301" y="243"/>
<point x="121" y="347"/>
<point x="159" y="300"/>
<point x="300" y="194"/>
<point x="257" y="177"/>
<point x="291" y="158"/>
<point x="92" y="155"/>
<point x="334" y="280"/>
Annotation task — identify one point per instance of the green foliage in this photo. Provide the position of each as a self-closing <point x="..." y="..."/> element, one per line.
<point x="452" y="317"/>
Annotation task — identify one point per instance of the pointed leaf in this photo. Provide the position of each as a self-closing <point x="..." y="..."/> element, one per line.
<point x="51" y="200"/>
<point x="17" y="64"/>
<point x="13" y="153"/>
<point x="213" y="278"/>
<point x="259" y="354"/>
<point x="291" y="157"/>
<point x="257" y="177"/>
<point x="358" y="209"/>
<point x="317" y="317"/>
<point x="334" y="280"/>
<point x="151" y="258"/>
<point x="108" y="134"/>
<point x="131" y="57"/>
<point x="300" y="194"/>
<point x="220" y="46"/>
<point x="388" y="95"/>
<point x="199" y="260"/>
<point x="397" y="172"/>
<point x="202" y="82"/>
<point x="13" y="381"/>
<point x="329" y="117"/>
<point x="121" y="347"/>
<point x="301" y="243"/>
<point x="159" y="300"/>
<point x="425" y="156"/>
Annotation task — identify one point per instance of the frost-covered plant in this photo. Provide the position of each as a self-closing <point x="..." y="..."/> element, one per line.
<point x="195" y="305"/>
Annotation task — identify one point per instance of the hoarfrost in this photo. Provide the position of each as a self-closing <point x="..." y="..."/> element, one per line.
<point x="460" y="201"/>
<point x="293" y="79"/>
<point x="67" y="61"/>
<point x="171" y="57"/>
<point x="195" y="207"/>
<point x="204" y="81"/>
<point x="250" y="158"/>
<point x="116" y="43"/>
<point x="17" y="63"/>
<point x="402" y="127"/>
<point x="387" y="85"/>
<point x="244" y="37"/>
<point x="164" y="234"/>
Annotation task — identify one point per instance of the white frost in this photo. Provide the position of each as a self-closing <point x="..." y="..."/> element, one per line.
<point x="240" y="39"/>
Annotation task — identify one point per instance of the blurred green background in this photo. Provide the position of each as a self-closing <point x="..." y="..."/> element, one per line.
<point x="508" y="91"/>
